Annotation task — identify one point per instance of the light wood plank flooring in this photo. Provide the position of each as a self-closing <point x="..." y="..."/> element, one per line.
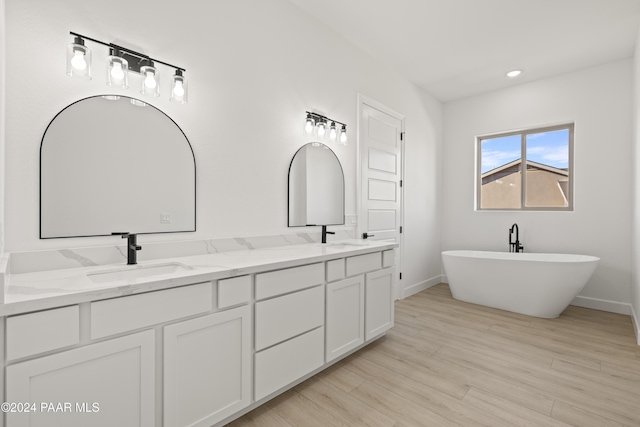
<point x="449" y="363"/>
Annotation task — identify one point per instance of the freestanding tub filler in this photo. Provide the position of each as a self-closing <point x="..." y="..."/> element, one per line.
<point x="535" y="284"/>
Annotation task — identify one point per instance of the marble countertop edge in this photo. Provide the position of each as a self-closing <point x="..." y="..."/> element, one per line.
<point x="42" y="290"/>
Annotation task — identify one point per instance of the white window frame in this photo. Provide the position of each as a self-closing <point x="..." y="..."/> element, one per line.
<point x="523" y="194"/>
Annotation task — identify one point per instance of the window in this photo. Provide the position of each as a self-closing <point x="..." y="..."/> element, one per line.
<point x="548" y="181"/>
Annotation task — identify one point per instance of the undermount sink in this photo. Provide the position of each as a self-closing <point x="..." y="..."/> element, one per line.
<point x="136" y="272"/>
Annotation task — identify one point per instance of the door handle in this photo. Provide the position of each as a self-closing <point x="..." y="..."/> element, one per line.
<point x="367" y="235"/>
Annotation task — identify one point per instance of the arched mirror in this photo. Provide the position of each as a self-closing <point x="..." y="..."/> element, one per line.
<point x="316" y="187"/>
<point x="115" y="164"/>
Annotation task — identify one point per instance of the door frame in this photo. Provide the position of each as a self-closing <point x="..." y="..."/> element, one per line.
<point x="363" y="99"/>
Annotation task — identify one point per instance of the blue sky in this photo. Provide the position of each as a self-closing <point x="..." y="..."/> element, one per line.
<point x="549" y="148"/>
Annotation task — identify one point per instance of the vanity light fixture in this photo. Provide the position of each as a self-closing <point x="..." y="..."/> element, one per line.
<point x="121" y="62"/>
<point x="321" y="129"/>
<point x="309" y="125"/>
<point x="178" y="88"/>
<point x="343" y="135"/>
<point x="118" y="71"/>
<point x="318" y="125"/>
<point x="78" y="59"/>
<point x="333" y="132"/>
<point x="150" y="80"/>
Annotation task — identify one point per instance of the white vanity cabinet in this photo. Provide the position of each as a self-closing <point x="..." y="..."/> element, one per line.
<point x="198" y="354"/>
<point x="378" y="302"/>
<point x="33" y="333"/>
<point x="359" y="308"/>
<point x="110" y="383"/>
<point x="289" y="327"/>
<point x="172" y="357"/>
<point x="125" y="314"/>
<point x="345" y="316"/>
<point x="207" y="368"/>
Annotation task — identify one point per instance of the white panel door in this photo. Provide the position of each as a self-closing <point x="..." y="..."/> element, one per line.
<point x="380" y="132"/>
<point x="345" y="316"/>
<point x="378" y="297"/>
<point x="108" y="384"/>
<point x="207" y="368"/>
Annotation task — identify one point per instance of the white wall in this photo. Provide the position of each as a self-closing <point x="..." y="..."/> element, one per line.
<point x="599" y="101"/>
<point x="254" y="67"/>
<point x="635" y="285"/>
<point x="423" y="206"/>
<point x="2" y="122"/>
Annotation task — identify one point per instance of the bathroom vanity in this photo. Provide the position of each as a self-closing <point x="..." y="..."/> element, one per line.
<point x="190" y="341"/>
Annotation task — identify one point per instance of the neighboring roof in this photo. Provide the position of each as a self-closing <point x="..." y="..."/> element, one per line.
<point x="529" y="164"/>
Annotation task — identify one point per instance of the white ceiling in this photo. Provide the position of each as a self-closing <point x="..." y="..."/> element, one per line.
<point x="457" y="48"/>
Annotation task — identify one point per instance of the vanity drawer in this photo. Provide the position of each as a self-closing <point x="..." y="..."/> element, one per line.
<point x="125" y="314"/>
<point x="284" y="363"/>
<point x="34" y="333"/>
<point x="234" y="291"/>
<point x="388" y="258"/>
<point x="364" y="263"/>
<point x="292" y="279"/>
<point x="335" y="270"/>
<point x="279" y="319"/>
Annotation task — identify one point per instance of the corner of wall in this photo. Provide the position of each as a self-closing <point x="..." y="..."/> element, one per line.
<point x="3" y="261"/>
<point x="635" y="226"/>
<point x="2" y="122"/>
<point x="635" y="320"/>
<point x="636" y="326"/>
<point x="421" y="286"/>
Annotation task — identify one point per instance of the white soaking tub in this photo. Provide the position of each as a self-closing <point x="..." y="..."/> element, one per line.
<point x="535" y="284"/>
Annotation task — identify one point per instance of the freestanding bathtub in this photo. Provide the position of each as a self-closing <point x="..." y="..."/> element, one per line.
<point x="540" y="285"/>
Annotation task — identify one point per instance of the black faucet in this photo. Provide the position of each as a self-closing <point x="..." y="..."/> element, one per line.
<point x="132" y="246"/>
<point x="515" y="246"/>
<point x="325" y="232"/>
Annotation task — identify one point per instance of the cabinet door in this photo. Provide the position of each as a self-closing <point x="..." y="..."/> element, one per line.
<point x="378" y="302"/>
<point x="345" y="316"/>
<point x="108" y="384"/>
<point x="207" y="368"/>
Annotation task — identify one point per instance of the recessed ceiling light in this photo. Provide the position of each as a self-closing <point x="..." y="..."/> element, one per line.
<point x="514" y="73"/>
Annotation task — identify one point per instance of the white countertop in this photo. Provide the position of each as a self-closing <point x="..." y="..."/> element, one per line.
<point x="56" y="288"/>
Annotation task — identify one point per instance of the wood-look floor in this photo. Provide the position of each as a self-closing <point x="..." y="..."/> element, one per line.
<point x="449" y="363"/>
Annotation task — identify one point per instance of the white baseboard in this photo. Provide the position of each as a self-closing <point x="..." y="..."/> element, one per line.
<point x="597" y="304"/>
<point x="580" y="301"/>
<point x="421" y="286"/>
<point x="602" y="304"/>
<point x="636" y="323"/>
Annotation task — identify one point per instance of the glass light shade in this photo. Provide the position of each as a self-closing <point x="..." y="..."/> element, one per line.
<point x="179" y="90"/>
<point x="309" y="124"/>
<point x="150" y="81"/>
<point x="321" y="129"/>
<point x="333" y="132"/>
<point x="137" y="102"/>
<point x="118" y="72"/>
<point x="78" y="60"/>
<point x="343" y="135"/>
